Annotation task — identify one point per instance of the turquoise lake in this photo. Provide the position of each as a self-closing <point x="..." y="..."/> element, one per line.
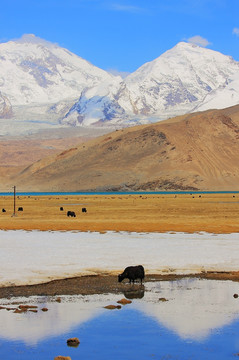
<point x="117" y="193"/>
<point x="199" y="320"/>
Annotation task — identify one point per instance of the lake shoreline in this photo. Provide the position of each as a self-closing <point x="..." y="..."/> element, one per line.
<point x="102" y="284"/>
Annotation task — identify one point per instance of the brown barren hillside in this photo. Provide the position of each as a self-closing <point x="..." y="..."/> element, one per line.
<point x="18" y="152"/>
<point x="193" y="152"/>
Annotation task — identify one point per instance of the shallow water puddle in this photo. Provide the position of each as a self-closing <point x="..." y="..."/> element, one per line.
<point x="179" y="320"/>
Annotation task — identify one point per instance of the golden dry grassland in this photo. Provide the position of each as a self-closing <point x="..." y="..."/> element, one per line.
<point x="216" y="213"/>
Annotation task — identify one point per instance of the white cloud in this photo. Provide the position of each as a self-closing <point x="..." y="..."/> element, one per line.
<point x="126" y="8"/>
<point x="116" y="72"/>
<point x="198" y="40"/>
<point x="236" y="31"/>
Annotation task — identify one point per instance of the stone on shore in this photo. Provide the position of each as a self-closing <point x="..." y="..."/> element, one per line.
<point x="124" y="301"/>
<point x="19" y="311"/>
<point x="27" y="307"/>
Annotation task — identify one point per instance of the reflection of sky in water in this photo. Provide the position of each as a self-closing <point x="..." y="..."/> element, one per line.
<point x="200" y="320"/>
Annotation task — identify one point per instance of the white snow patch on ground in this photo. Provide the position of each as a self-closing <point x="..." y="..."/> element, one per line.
<point x="35" y="256"/>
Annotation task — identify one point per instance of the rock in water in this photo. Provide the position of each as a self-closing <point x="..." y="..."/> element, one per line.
<point x="73" y="342"/>
<point x="112" y="307"/>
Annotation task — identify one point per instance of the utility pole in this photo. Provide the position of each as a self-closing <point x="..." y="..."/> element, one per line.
<point x="14" y="201"/>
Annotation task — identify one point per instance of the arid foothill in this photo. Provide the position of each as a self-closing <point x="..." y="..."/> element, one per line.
<point x="193" y="152"/>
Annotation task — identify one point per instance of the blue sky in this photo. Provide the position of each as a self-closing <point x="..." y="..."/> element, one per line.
<point x="124" y="34"/>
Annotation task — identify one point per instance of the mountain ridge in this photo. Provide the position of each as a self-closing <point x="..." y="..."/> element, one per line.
<point x="42" y="84"/>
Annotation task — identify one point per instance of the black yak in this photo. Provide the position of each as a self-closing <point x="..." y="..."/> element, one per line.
<point x="71" y="213"/>
<point x="132" y="273"/>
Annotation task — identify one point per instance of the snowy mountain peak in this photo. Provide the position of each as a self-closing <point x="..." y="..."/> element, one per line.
<point x="178" y="80"/>
<point x="33" y="39"/>
<point x="33" y="70"/>
<point x="184" y="45"/>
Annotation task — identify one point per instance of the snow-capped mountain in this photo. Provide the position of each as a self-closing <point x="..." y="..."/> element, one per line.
<point x="34" y="72"/>
<point x="179" y="79"/>
<point x="42" y="82"/>
<point x="177" y="82"/>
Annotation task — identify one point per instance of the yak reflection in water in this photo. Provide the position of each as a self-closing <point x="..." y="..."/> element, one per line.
<point x="135" y="292"/>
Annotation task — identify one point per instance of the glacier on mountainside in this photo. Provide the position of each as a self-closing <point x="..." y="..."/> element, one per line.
<point x="224" y="96"/>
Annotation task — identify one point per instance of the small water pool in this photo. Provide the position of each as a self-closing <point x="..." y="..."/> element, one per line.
<point x="170" y="320"/>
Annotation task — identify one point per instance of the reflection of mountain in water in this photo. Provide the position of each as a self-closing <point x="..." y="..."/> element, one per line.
<point x="193" y="310"/>
<point x="195" y="307"/>
<point x="60" y="318"/>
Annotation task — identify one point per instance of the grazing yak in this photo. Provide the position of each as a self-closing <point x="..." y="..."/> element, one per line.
<point x="132" y="273"/>
<point x="71" y="213"/>
<point x="84" y="210"/>
<point x="20" y="208"/>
